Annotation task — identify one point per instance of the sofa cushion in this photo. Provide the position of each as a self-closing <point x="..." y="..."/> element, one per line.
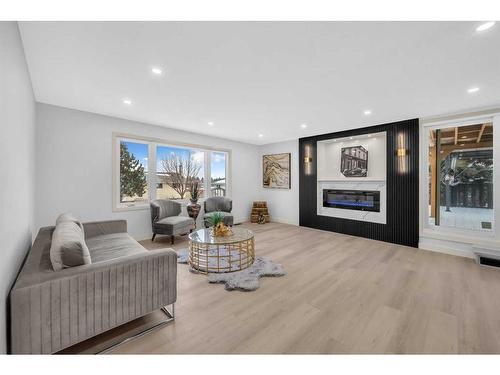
<point x="68" y="248"/>
<point x="175" y="222"/>
<point x="111" y="246"/>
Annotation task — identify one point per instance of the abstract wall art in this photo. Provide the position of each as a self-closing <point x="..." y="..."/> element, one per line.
<point x="276" y="171"/>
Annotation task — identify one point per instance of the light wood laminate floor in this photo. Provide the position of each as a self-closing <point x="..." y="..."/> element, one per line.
<point x="341" y="294"/>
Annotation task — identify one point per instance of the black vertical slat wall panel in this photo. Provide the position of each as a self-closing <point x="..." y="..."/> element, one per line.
<point x="402" y="189"/>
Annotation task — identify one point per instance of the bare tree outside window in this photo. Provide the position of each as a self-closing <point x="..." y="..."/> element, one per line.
<point x="180" y="172"/>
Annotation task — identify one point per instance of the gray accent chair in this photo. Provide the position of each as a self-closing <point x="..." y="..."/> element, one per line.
<point x="222" y="204"/>
<point x="165" y="219"/>
<point x="52" y="310"/>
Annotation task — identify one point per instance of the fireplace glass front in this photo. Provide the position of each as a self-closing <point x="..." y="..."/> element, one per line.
<point x="361" y="200"/>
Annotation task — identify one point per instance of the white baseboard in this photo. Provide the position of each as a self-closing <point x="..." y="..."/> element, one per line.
<point x="283" y="221"/>
<point x="446" y="247"/>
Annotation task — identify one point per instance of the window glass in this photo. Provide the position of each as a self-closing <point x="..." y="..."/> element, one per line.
<point x="133" y="171"/>
<point x="218" y="186"/>
<point x="179" y="171"/>
<point x="461" y="177"/>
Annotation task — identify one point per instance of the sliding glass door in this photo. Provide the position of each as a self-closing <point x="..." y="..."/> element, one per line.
<point x="461" y="177"/>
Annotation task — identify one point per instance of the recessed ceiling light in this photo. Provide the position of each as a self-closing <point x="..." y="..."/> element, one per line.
<point x="350" y="137"/>
<point x="261" y="135"/>
<point x="156" y="71"/>
<point x="127" y="101"/>
<point x="485" y="26"/>
<point x="303" y="126"/>
<point x="210" y="123"/>
<point x="472" y="90"/>
<point x="367" y="112"/>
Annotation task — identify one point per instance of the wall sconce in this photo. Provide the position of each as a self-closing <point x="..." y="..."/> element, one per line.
<point x="401" y="153"/>
<point x="308" y="160"/>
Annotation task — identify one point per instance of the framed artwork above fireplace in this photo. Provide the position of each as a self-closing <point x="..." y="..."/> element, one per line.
<point x="354" y="161"/>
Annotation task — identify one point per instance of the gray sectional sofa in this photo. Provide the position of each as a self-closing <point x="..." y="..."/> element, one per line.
<point x="52" y="310"/>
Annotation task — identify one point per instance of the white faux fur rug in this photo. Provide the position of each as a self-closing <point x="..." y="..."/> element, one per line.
<point x="247" y="279"/>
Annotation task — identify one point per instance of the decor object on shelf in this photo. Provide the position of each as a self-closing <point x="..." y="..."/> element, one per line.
<point x="208" y="253"/>
<point x="222" y="204"/>
<point x="166" y="219"/>
<point x="245" y="280"/>
<point x="276" y="171"/>
<point x="40" y="292"/>
<point x="260" y="213"/>
<point x="354" y="161"/>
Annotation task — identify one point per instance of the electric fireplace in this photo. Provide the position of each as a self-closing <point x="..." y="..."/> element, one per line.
<point x="361" y="200"/>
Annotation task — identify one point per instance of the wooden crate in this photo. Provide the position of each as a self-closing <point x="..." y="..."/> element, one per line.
<point x="259" y="208"/>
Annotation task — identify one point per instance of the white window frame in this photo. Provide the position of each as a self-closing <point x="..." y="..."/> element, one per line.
<point x="450" y="233"/>
<point x="153" y="143"/>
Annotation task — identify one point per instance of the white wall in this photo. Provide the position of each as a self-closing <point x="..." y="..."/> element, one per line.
<point x="17" y="121"/>
<point x="74" y="166"/>
<point x="283" y="203"/>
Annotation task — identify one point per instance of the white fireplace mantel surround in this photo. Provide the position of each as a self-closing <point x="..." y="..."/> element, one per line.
<point x="373" y="217"/>
<point x="330" y="176"/>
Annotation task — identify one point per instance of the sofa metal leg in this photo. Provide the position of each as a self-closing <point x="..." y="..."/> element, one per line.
<point x="170" y="317"/>
<point x="154" y="235"/>
<point x="173" y="237"/>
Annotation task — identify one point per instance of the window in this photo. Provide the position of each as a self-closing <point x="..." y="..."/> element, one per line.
<point x="460" y="175"/>
<point x="150" y="169"/>
<point x="218" y="174"/>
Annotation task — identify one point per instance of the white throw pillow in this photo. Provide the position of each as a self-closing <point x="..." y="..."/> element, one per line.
<point x="68" y="217"/>
<point x="68" y="247"/>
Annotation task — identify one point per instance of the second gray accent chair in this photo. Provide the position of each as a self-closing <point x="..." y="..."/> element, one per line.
<point x="222" y="204"/>
<point x="166" y="219"/>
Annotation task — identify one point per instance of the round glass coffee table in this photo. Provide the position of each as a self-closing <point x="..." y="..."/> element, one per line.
<point x="221" y="254"/>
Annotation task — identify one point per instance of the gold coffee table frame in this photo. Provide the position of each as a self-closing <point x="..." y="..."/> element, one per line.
<point x="209" y="254"/>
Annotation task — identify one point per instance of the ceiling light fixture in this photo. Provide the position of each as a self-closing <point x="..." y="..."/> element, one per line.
<point x="472" y="90"/>
<point x="210" y="123"/>
<point x="303" y="126"/>
<point x="156" y="71"/>
<point x="127" y="101"/>
<point x="485" y="26"/>
<point x="261" y="135"/>
<point x="367" y="112"/>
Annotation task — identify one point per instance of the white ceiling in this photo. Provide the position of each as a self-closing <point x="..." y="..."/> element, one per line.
<point x="264" y="77"/>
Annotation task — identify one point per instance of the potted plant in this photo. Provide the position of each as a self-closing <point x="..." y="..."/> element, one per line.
<point x="216" y="221"/>
<point x="195" y="191"/>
